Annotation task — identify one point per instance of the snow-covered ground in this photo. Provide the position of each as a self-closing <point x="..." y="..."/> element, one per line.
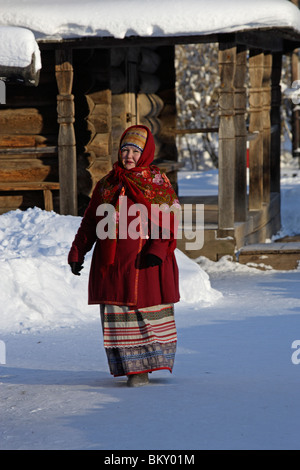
<point x="234" y="384"/>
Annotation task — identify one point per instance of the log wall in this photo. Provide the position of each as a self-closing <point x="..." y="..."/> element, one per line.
<point x="28" y="138"/>
<point x="98" y="93"/>
<point x="114" y="89"/>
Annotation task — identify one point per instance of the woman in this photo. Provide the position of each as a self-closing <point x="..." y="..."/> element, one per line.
<point x="133" y="275"/>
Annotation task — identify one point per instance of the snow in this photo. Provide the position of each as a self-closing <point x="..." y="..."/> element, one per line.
<point x="120" y="18"/>
<point x="236" y="377"/>
<point x="23" y="22"/>
<point x="34" y="245"/>
<point x="234" y="384"/>
<point x="17" y="48"/>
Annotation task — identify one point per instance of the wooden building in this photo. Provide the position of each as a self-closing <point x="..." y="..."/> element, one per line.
<point x="58" y="138"/>
<point x="62" y="135"/>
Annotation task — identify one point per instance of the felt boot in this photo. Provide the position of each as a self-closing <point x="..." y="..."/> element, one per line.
<point x="137" y="380"/>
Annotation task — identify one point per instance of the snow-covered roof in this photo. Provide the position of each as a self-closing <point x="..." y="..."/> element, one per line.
<point x="18" y="48"/>
<point x="121" y="18"/>
<point x="23" y="23"/>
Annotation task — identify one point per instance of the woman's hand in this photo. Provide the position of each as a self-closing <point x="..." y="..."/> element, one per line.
<point x="153" y="260"/>
<point x="76" y="267"/>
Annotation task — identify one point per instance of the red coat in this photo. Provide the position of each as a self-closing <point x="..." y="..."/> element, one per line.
<point x="128" y="281"/>
<point x="119" y="274"/>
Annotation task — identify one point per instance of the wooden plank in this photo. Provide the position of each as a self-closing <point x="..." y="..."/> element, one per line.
<point x="25" y="151"/>
<point x="197" y="130"/>
<point x="48" y="200"/>
<point x="28" y="121"/>
<point x="168" y="166"/>
<point x="283" y="256"/>
<point x="20" y="141"/>
<point x="11" y="201"/>
<point x="24" y="170"/>
<point x="46" y="187"/>
<point x="29" y="186"/>
<point x="267" y="40"/>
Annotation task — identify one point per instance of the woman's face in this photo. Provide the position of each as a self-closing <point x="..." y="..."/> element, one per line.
<point x="130" y="155"/>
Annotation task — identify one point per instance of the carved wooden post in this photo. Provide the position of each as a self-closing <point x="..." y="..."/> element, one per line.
<point x="256" y="71"/>
<point x="295" y="109"/>
<point x="66" y="136"/>
<point x="276" y="122"/>
<point x="240" y="101"/>
<point x="267" y="126"/>
<point x="227" y="143"/>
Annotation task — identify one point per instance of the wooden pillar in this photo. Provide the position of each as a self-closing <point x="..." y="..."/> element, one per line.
<point x="267" y="126"/>
<point x="276" y="122"/>
<point x="295" y="108"/>
<point x="66" y="136"/>
<point x="227" y="143"/>
<point x="256" y="72"/>
<point x="240" y="101"/>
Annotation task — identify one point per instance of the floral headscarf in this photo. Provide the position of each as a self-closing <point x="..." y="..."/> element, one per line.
<point x="145" y="184"/>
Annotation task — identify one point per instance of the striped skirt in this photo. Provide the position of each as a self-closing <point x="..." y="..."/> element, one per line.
<point x="140" y="340"/>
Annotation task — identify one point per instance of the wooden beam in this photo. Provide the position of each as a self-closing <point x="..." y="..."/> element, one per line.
<point x="240" y="102"/>
<point x="104" y="42"/>
<point x="227" y="143"/>
<point x="196" y="130"/>
<point x="28" y="150"/>
<point x="256" y="72"/>
<point x="66" y="136"/>
<point x="295" y="108"/>
<point x="268" y="40"/>
<point x="276" y="122"/>
<point x="266" y="117"/>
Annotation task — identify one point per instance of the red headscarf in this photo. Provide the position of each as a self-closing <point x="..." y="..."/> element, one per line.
<point x="145" y="184"/>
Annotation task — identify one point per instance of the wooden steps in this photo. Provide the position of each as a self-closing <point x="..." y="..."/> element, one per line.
<point x="259" y="226"/>
<point x="281" y="255"/>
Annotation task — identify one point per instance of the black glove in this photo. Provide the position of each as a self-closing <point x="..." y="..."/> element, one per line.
<point x="76" y="267"/>
<point x="153" y="260"/>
